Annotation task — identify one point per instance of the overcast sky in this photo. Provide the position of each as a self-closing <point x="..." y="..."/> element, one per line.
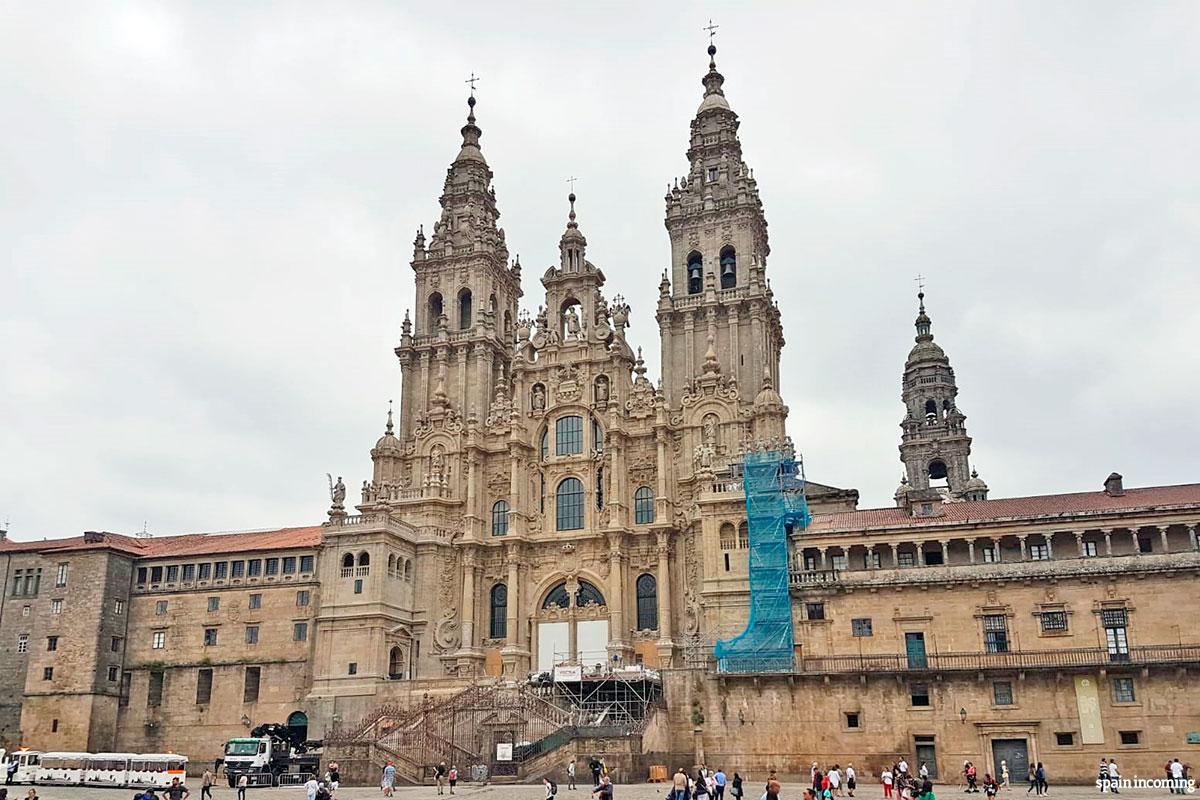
<point x="206" y="216"/>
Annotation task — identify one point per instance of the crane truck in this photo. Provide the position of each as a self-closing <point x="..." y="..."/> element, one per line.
<point x="270" y="751"/>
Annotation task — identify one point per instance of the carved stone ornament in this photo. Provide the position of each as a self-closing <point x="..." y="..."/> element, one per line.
<point x="446" y="633"/>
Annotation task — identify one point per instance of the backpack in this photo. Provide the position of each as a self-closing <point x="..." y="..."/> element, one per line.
<point x="553" y="788"/>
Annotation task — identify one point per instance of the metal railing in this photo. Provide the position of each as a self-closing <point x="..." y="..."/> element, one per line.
<point x="1148" y="655"/>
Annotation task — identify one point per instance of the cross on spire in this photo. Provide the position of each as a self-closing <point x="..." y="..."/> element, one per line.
<point x="571" y="180"/>
<point x="471" y="80"/>
<point x="920" y="281"/>
<point x="712" y="30"/>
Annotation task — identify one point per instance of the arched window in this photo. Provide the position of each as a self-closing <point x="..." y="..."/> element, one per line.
<point x="930" y="408"/>
<point x="937" y="470"/>
<point x="408" y="570"/>
<point x="647" y="603"/>
<point x="464" y="309"/>
<point x="568" y="505"/>
<point x="643" y="506"/>
<point x="508" y="328"/>
<point x="568" y="436"/>
<point x="728" y="268"/>
<point x="435" y="310"/>
<point x="364" y="559"/>
<point x="695" y="273"/>
<point x="348" y="561"/>
<point x="500" y="518"/>
<point x="557" y="597"/>
<point x="498" y="621"/>
<point x="492" y="303"/>
<point x="391" y="565"/>
<point x="743" y="536"/>
<point x="728" y="536"/>
<point x="396" y="664"/>
<point x="597" y="436"/>
<point x="544" y="445"/>
<point x="297" y="722"/>
<point x="588" y="594"/>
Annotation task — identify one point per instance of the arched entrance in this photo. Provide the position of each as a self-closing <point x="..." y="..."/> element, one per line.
<point x="297" y="723"/>
<point x="572" y="626"/>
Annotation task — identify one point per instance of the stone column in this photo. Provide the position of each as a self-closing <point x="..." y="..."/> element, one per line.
<point x="572" y="622"/>
<point x="895" y="555"/>
<point x="871" y="557"/>
<point x="468" y="600"/>
<point x="1162" y="531"/>
<point x="1079" y="542"/>
<point x="824" y="563"/>
<point x="664" y="587"/>
<point x="945" y="543"/>
<point x="1049" y="545"/>
<point x="1024" y="549"/>
<point x="920" y="554"/>
<point x="971" y="550"/>
<point x="1107" y="541"/>
<point x="1133" y="534"/>
<point x="617" y="633"/>
<point x="513" y="613"/>
<point x="1193" y="537"/>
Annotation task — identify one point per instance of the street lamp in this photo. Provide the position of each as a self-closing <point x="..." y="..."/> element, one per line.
<point x="962" y="715"/>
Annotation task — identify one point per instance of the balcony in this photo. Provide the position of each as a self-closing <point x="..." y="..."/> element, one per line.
<point x="356" y="572"/>
<point x="1090" y="658"/>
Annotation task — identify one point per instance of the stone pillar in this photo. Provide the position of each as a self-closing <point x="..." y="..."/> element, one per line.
<point x="1193" y="537"/>
<point x="1049" y="545"/>
<point x="824" y="563"/>
<point x="1162" y="531"/>
<point x="895" y="555"/>
<point x="664" y="587"/>
<point x="1133" y="534"/>
<point x="920" y="554"/>
<point x="513" y="613"/>
<point x="971" y="550"/>
<point x="871" y="557"/>
<point x="468" y="600"/>
<point x="945" y="543"/>
<point x="1024" y="549"/>
<point x="1107" y="541"/>
<point x="617" y="629"/>
<point x="1079" y="542"/>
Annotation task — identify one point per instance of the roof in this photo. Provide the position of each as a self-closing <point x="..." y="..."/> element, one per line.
<point x="1038" y="506"/>
<point x="190" y="544"/>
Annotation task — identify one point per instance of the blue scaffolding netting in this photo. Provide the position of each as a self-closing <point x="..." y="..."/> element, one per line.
<point x="774" y="489"/>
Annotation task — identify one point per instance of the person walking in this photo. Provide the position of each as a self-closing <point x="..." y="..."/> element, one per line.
<point x="835" y="781"/>
<point x="177" y="791"/>
<point x="990" y="787"/>
<point x="1004" y="773"/>
<point x="242" y="783"/>
<point x="851" y="779"/>
<point x="439" y="775"/>
<point x="736" y="791"/>
<point x="1114" y="777"/>
<point x="389" y="779"/>
<point x="679" y="785"/>
<point x="335" y="777"/>
<point x="1040" y="775"/>
<point x="701" y="792"/>
<point x="885" y="777"/>
<point x="310" y="787"/>
<point x="719" y="781"/>
<point x="571" y="774"/>
<point x="595" y="766"/>
<point x="452" y="778"/>
<point x="1032" y="778"/>
<point x="1175" y="771"/>
<point x="605" y="790"/>
<point x="773" y="787"/>
<point x="206" y="784"/>
<point x="551" y="788"/>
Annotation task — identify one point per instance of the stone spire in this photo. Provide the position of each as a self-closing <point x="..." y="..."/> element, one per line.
<point x="572" y="246"/>
<point x="934" y="445"/>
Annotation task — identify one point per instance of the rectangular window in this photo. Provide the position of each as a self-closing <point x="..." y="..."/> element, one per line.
<point x="1038" y="552"/>
<point x="839" y="563"/>
<point x="158" y="640"/>
<point x="56" y="607"/>
<point x="727" y="562"/>
<point x="214" y="604"/>
<point x="238" y="569"/>
<point x="861" y="626"/>
<point x="221" y="570"/>
<point x="60" y="576"/>
<point x="189" y="573"/>
<point x="907" y="559"/>
<point x="18" y="582"/>
<point x="250" y="689"/>
<point x="160" y="608"/>
<point x="568" y="436"/>
<point x="289" y="565"/>
<point x="1122" y="689"/>
<point x="118" y="607"/>
<point x="934" y="558"/>
<point x="1116" y="635"/>
<point x="358" y="586"/>
<point x="306" y="563"/>
<point x="205" y="572"/>
<point x="47" y="673"/>
<point x="995" y="633"/>
<point x="251" y="634"/>
<point x="141" y="575"/>
<point x="302" y="598"/>
<point x="210" y="637"/>
<point x="872" y="561"/>
<point x="114" y="644"/>
<point x="173" y="573"/>
<point x="810" y="563"/>
<point x="204" y="686"/>
<point x="1089" y="551"/>
<point x="156" y="574"/>
<point x="255" y="601"/>
<point x="300" y="632"/>
<point x="255" y="567"/>
<point x="814" y="610"/>
<point x="24" y="611"/>
<point x="112" y="674"/>
<point x="1131" y="737"/>
<point x="1064" y="739"/>
<point x="352" y="668"/>
<point x="23" y="643"/>
<point x="919" y="695"/>
<point x="1053" y="621"/>
<point x="1002" y="693"/>
<point x="990" y="555"/>
<point x="1145" y="545"/>
<point x="155" y="692"/>
<point x="852" y="719"/>
<point x="51" y="644"/>
<point x="272" y="566"/>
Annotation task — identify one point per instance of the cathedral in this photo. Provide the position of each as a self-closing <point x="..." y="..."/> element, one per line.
<point x="539" y="500"/>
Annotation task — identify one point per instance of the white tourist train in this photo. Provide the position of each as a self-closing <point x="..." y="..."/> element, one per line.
<point x="96" y="769"/>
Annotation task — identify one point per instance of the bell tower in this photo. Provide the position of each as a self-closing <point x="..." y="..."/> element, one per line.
<point x="458" y="343"/>
<point x="714" y="301"/>
<point x="934" y="445"/>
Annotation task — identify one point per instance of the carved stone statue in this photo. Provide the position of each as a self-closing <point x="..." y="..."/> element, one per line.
<point x="337" y="491"/>
<point x="572" y="322"/>
<point x="538" y="401"/>
<point x="601" y="389"/>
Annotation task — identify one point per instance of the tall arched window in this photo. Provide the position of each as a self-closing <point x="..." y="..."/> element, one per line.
<point x="568" y="505"/>
<point x="464" y="309"/>
<point x="568" y="436"/>
<point x="396" y="664"/>
<point x="498" y="621"/>
<point x="297" y="722"/>
<point x="544" y="445"/>
<point x="557" y="597"/>
<point x="728" y="268"/>
<point x="391" y="564"/>
<point x="364" y="559"/>
<point x="588" y="594"/>
<point x="937" y="470"/>
<point x="695" y="273"/>
<point x="408" y="570"/>
<point x="930" y="408"/>
<point x="643" y="506"/>
<point x="500" y="518"/>
<point x="435" y="310"/>
<point x="348" y="561"/>
<point x="647" y="603"/>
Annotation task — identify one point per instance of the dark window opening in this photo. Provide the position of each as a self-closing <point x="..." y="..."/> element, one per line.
<point x="1131" y="737"/>
<point x="1064" y="739"/>
<point x="919" y="695"/>
<point x="695" y="273"/>
<point x="728" y="268"/>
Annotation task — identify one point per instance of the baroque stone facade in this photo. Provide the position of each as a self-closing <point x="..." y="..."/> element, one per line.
<point x="539" y="499"/>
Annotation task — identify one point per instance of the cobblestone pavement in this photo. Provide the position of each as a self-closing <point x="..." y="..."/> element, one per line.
<point x="643" y="791"/>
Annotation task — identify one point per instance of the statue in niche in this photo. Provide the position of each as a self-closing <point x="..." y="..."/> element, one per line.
<point x="538" y="400"/>
<point x="602" y="389"/>
<point x="572" y="322"/>
<point x="709" y="431"/>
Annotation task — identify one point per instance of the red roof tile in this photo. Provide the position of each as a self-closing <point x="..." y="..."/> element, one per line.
<point x="178" y="546"/>
<point x="1039" y="506"/>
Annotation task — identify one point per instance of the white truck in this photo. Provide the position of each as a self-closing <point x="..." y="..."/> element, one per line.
<point x="270" y="752"/>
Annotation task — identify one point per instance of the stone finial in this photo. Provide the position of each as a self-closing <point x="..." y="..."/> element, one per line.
<point x="711" y="365"/>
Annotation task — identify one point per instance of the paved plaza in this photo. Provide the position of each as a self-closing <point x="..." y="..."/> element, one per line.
<point x="641" y="791"/>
